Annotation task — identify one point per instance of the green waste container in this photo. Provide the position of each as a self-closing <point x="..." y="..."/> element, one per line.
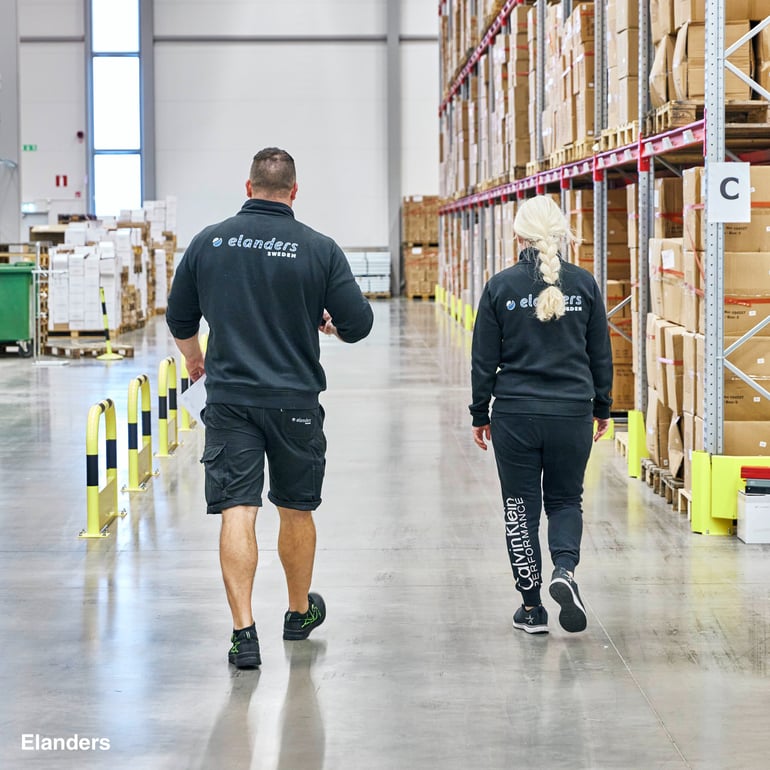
<point x="16" y="305"/>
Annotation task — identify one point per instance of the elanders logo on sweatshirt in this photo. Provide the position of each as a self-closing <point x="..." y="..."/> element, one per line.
<point x="572" y="303"/>
<point x="273" y="248"/>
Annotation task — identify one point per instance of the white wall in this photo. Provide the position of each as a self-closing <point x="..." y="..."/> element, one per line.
<point x="217" y="105"/>
<point x="52" y="96"/>
<point x="218" y="100"/>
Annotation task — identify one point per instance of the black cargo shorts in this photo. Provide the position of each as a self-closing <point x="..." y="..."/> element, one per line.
<point x="238" y="438"/>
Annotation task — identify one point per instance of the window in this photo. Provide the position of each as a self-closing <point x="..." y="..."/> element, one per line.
<point x="115" y="106"/>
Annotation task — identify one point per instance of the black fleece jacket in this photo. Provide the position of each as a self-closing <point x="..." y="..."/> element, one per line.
<point x="262" y="280"/>
<point x="558" y="367"/>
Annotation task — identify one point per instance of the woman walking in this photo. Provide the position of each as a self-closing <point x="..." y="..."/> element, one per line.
<point x="541" y="347"/>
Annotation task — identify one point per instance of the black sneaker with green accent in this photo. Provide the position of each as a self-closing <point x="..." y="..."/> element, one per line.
<point x="244" y="652"/>
<point x="298" y="626"/>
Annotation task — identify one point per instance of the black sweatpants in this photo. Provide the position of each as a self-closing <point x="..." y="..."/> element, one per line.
<point x="541" y="462"/>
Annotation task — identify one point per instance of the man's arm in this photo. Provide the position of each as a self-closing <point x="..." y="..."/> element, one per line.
<point x="350" y="314"/>
<point x="193" y="356"/>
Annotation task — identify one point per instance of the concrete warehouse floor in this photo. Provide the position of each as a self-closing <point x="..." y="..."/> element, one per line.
<point x="125" y="639"/>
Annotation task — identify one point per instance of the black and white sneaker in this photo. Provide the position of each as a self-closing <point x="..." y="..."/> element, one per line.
<point x="564" y="590"/>
<point x="534" y="621"/>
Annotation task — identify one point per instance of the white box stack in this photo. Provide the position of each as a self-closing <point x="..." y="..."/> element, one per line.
<point x="371" y="270"/>
<point x="753" y="518"/>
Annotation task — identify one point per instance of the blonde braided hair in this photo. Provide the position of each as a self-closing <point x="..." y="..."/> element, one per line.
<point x="541" y="223"/>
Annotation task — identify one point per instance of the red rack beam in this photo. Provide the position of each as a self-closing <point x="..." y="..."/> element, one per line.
<point x="646" y="147"/>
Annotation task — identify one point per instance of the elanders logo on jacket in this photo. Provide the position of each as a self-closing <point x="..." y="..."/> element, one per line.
<point x="572" y="303"/>
<point x="273" y="247"/>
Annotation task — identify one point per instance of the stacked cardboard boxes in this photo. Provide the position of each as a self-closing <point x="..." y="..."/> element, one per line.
<point x="622" y="62"/>
<point x="420" y="236"/>
<point x="678" y="33"/>
<point x="580" y="208"/>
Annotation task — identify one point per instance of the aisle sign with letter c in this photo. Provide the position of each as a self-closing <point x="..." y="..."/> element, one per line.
<point x="728" y="193"/>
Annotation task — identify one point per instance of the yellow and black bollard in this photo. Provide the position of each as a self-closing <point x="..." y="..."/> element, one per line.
<point x="185" y="420"/>
<point x="109" y="355"/>
<point x="168" y="437"/>
<point x="101" y="504"/>
<point x="139" y="460"/>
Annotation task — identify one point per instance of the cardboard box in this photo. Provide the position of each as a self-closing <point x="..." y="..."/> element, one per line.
<point x="626" y="15"/>
<point x="618" y="260"/>
<point x="686" y="11"/>
<point x="747" y="274"/>
<point x="668" y="203"/>
<point x="658" y="422"/>
<point x="691" y="308"/>
<point x="660" y="361"/>
<point x="742" y="402"/>
<point x="627" y="52"/>
<point x="689" y="62"/>
<point x="673" y="366"/>
<point x="623" y="387"/>
<point x="753" y="518"/>
<point x="745" y="438"/>
<point x="742" y="315"/>
<point x="690" y="373"/>
<point x="675" y="448"/>
<point x="661" y="72"/>
<point x="758" y="9"/>
<point x="661" y="19"/>
<point x="738" y="236"/>
<point x="666" y="262"/>
<point x="752" y="357"/>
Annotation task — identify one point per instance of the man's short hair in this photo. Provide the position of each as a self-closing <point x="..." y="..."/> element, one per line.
<point x="272" y="170"/>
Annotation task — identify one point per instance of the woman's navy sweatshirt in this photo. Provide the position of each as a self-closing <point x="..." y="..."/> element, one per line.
<point x="262" y="280"/>
<point x="558" y="367"/>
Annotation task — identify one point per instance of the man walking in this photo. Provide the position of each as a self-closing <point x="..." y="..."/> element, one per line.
<point x="266" y="285"/>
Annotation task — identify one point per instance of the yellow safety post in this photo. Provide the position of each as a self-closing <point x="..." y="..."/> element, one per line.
<point x="101" y="504"/>
<point x="109" y="355"/>
<point x="185" y="421"/>
<point x="716" y="480"/>
<point x="139" y="460"/>
<point x="469" y="318"/>
<point x="637" y="443"/>
<point x="167" y="427"/>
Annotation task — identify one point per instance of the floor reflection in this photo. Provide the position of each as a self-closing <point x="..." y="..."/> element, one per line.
<point x="231" y="743"/>
<point x="303" y="739"/>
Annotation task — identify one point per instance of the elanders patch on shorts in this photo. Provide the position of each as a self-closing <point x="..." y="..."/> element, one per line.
<point x="299" y="423"/>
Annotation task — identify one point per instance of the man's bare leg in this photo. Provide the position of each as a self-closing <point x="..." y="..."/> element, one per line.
<point x="296" y="549"/>
<point x="238" y="555"/>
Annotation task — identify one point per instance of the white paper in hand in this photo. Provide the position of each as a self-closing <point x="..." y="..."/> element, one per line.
<point x="194" y="398"/>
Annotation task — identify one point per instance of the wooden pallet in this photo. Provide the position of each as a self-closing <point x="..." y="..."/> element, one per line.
<point x="582" y="149"/>
<point x="684" y="501"/>
<point x="613" y="138"/>
<point x="559" y="157"/>
<point x="377" y="294"/>
<point x="424" y="297"/>
<point x="675" y="114"/>
<point x="621" y="444"/>
<point x="535" y="167"/>
<point x="85" y="350"/>
<point x="76" y="334"/>
<point x="671" y="489"/>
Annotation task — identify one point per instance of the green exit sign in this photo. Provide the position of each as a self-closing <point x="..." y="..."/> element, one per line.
<point x="29" y="147"/>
